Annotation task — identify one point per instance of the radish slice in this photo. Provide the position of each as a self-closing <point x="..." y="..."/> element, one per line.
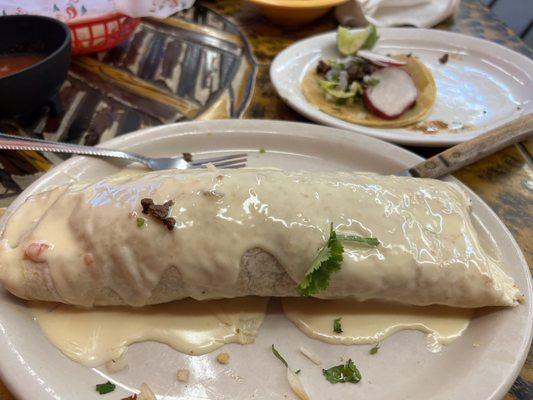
<point x="394" y="93"/>
<point x="379" y="59"/>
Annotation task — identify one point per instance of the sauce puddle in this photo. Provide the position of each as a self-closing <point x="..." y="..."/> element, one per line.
<point x="12" y="63"/>
<point x="95" y="336"/>
<point x="372" y="321"/>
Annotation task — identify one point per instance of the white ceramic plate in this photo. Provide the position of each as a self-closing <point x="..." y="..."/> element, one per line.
<point x="403" y="369"/>
<point x="482" y="85"/>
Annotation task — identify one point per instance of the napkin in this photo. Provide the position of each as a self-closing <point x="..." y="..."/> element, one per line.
<point x="76" y="10"/>
<point x="418" y="13"/>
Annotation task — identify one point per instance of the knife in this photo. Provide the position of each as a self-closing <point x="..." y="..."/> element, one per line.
<point x="468" y="152"/>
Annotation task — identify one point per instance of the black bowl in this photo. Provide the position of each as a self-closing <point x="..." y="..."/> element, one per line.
<point x="29" y="89"/>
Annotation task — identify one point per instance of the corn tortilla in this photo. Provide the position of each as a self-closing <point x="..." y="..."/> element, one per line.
<point x="357" y="112"/>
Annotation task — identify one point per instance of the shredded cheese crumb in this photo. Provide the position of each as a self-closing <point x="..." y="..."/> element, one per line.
<point x="146" y="393"/>
<point x="183" y="375"/>
<point x="116" y="365"/>
<point x="223" y="358"/>
<point x="310" y="355"/>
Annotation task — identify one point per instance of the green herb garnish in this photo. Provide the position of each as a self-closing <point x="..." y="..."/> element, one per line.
<point x="374" y="349"/>
<point x="276" y="353"/>
<point x="337" y="327"/>
<point x="140" y="222"/>
<point x="262" y="151"/>
<point x="327" y="261"/>
<point x="104" y="388"/>
<point x="372" y="82"/>
<point x="298" y="371"/>
<point x="340" y="96"/>
<point x="343" y="373"/>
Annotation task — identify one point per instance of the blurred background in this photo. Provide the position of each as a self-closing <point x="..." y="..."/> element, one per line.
<point x="517" y="15"/>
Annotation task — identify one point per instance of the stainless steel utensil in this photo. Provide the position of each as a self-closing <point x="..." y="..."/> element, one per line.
<point x="10" y="142"/>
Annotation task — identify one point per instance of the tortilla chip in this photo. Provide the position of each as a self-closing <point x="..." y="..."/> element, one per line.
<point x="358" y="114"/>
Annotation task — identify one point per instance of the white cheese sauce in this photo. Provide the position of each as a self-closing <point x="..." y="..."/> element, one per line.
<point x="372" y="321"/>
<point x="94" y="336"/>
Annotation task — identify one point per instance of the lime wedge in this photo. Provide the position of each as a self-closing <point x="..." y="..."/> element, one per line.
<point x="349" y="42"/>
<point x="372" y="38"/>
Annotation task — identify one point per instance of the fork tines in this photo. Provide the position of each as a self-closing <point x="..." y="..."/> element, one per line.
<point x="227" y="161"/>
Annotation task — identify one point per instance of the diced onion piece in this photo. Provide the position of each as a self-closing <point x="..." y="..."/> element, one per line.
<point x="116" y="365"/>
<point x="296" y="385"/>
<point x="310" y="355"/>
<point x="146" y="393"/>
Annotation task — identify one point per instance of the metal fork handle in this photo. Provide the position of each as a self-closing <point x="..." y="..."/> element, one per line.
<point x="10" y="142"/>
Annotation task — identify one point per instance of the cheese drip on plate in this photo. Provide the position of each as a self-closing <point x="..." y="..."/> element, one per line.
<point x="372" y="321"/>
<point x="95" y="336"/>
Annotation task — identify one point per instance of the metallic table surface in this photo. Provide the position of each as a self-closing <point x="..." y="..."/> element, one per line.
<point x="212" y="62"/>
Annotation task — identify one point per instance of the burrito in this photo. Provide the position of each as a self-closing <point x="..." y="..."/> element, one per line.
<point x="161" y="236"/>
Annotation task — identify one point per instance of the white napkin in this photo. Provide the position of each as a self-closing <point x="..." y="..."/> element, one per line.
<point x="76" y="10"/>
<point x="419" y="13"/>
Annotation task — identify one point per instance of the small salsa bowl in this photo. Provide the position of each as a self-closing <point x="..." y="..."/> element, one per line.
<point x="46" y="40"/>
<point x="295" y="12"/>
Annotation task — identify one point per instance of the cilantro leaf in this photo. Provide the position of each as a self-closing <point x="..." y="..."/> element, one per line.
<point x="343" y="373"/>
<point x="374" y="349"/>
<point x="279" y="356"/>
<point x="337" y="327"/>
<point x="104" y="388"/>
<point x="327" y="261"/>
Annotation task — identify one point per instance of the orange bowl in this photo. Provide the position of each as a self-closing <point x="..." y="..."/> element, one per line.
<point x="295" y="12"/>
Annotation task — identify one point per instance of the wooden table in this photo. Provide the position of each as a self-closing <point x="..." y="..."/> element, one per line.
<point x="212" y="62"/>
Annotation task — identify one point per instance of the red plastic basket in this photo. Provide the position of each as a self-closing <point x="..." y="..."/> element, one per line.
<point x="98" y="34"/>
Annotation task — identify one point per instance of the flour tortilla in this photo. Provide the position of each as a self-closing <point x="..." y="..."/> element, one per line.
<point x="358" y="114"/>
<point x="257" y="236"/>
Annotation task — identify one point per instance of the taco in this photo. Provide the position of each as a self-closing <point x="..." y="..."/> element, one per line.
<point x="368" y="88"/>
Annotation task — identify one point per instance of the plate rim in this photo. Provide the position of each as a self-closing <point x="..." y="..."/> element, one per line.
<point x="427" y="141"/>
<point x="9" y="375"/>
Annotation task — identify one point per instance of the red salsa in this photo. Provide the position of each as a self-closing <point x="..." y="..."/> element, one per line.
<point x="9" y="64"/>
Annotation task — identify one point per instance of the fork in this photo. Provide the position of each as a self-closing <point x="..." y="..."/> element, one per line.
<point x="10" y="142"/>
